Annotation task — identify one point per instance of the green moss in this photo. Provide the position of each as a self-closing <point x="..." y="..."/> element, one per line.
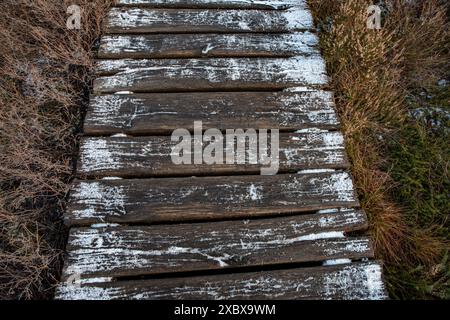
<point x="419" y="160"/>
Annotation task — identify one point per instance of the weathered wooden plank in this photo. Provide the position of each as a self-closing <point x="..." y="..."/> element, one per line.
<point x="207" y="45"/>
<point x="359" y="281"/>
<point x="206" y="198"/>
<point x="215" y="4"/>
<point x="130" y="251"/>
<point x="209" y="74"/>
<point x="143" y="20"/>
<point x="152" y="156"/>
<point x="162" y="113"/>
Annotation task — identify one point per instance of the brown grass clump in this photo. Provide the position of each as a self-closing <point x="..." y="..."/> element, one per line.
<point x="373" y="72"/>
<point x="44" y="75"/>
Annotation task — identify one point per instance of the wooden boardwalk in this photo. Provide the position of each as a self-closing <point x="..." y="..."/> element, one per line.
<point x="142" y="227"/>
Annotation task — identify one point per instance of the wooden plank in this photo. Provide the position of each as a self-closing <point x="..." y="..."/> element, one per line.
<point x="152" y="156"/>
<point x="215" y="4"/>
<point x="209" y="74"/>
<point x="359" y="281"/>
<point x="206" y="198"/>
<point x="144" y="250"/>
<point x="207" y="45"/>
<point x="162" y="113"/>
<point x="143" y="20"/>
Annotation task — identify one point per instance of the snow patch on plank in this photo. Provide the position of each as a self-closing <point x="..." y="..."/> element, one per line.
<point x="355" y="282"/>
<point x="95" y="198"/>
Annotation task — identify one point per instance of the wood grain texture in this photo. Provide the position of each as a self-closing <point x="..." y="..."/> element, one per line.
<point x="152" y="156"/>
<point x="359" y="281"/>
<point x="144" y="75"/>
<point x="162" y="113"/>
<point x="207" y="45"/>
<point x="131" y="251"/>
<point x="206" y="198"/>
<point x="215" y="4"/>
<point x="143" y="20"/>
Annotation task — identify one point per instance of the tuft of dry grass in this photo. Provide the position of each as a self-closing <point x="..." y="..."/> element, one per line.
<point x="373" y="72"/>
<point x="44" y="81"/>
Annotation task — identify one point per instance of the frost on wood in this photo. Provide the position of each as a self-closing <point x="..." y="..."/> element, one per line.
<point x="144" y="112"/>
<point x="214" y="4"/>
<point x="347" y="282"/>
<point x="151" y="75"/>
<point x="111" y="248"/>
<point x="170" y="21"/>
<point x="149" y="46"/>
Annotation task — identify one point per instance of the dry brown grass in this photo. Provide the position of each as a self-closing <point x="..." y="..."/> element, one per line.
<point x="372" y="73"/>
<point x="44" y="73"/>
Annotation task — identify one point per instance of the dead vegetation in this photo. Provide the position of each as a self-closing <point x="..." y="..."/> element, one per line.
<point x="44" y="78"/>
<point x="373" y="74"/>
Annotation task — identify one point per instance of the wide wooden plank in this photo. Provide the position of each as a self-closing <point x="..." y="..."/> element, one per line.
<point x="207" y="45"/>
<point x="152" y="156"/>
<point x="130" y="251"/>
<point x="142" y="20"/>
<point x="205" y="198"/>
<point x="360" y="281"/>
<point x="209" y="74"/>
<point x="215" y="4"/>
<point x="162" y="113"/>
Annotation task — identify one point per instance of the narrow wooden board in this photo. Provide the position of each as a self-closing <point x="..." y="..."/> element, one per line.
<point x="162" y="113"/>
<point x="207" y="45"/>
<point x="209" y="74"/>
<point x="131" y="251"/>
<point x="206" y="198"/>
<point x="359" y="281"/>
<point x="215" y="4"/>
<point x="143" y="20"/>
<point x="152" y="156"/>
